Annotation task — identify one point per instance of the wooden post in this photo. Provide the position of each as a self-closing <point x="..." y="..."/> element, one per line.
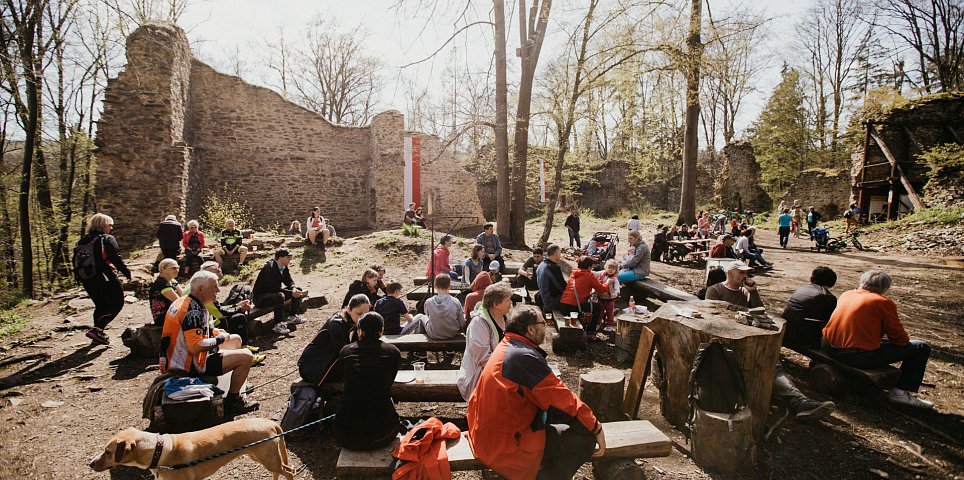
<point x="602" y="390"/>
<point x="723" y="442"/>
<point x="641" y="370"/>
<point x="678" y="338"/>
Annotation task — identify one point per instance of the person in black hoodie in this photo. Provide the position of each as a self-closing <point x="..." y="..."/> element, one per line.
<point x="368" y="286"/>
<point x="273" y="286"/>
<point x="169" y="236"/>
<point x="103" y="287"/>
<point x="319" y="355"/>
<point x="367" y="419"/>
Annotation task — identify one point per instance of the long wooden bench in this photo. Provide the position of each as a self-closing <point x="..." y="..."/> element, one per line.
<point x="439" y="386"/>
<point x="418" y="342"/>
<point x="419" y="281"/>
<point x="657" y="290"/>
<point x="826" y="372"/>
<point x="421" y="293"/>
<point x="632" y="439"/>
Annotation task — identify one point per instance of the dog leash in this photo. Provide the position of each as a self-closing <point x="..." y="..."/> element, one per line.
<point x="217" y="455"/>
<point x="251" y="389"/>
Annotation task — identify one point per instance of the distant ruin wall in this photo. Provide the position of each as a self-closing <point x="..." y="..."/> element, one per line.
<point x="174" y="131"/>
<point x="827" y="191"/>
<point x="739" y="183"/>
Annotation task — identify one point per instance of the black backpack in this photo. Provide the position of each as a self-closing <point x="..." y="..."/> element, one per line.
<point x="85" y="260"/>
<point x="238" y="293"/>
<point x="716" y="381"/>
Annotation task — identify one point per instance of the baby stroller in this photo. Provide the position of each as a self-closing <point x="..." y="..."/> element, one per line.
<point x="821" y="237"/>
<point x="601" y="247"/>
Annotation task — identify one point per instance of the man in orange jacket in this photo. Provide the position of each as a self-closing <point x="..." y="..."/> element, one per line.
<point x="523" y="422"/>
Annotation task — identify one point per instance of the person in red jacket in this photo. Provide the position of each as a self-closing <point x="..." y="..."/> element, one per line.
<point x="853" y="336"/>
<point x="523" y="421"/>
<point x="439" y="262"/>
<point x="575" y="298"/>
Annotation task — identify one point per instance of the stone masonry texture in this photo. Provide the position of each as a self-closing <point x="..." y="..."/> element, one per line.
<point x="174" y="131"/>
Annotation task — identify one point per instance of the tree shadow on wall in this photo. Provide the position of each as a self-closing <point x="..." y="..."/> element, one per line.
<point x="311" y="259"/>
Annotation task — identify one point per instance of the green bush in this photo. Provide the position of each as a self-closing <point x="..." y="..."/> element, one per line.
<point x="944" y="159"/>
<point x="10" y="322"/>
<point x="220" y="206"/>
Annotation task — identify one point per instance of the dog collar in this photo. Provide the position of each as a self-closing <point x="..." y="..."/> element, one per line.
<point x="158" y="449"/>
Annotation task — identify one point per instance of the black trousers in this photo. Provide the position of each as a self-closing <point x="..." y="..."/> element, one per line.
<point x="277" y="301"/>
<point x="565" y="452"/>
<point x="590" y="326"/>
<point x="238" y="325"/>
<point x="108" y="298"/>
<point x="486" y="261"/>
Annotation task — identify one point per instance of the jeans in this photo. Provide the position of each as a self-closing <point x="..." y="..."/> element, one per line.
<point x="565" y="452"/>
<point x="574" y="235"/>
<point x="753" y="258"/>
<point x="810" y="227"/>
<point x="785" y="391"/>
<point x="626" y="276"/>
<point x="784" y="233"/>
<point x="912" y="357"/>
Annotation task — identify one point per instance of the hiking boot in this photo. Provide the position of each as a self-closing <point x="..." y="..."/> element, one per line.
<point x="98" y="336"/>
<point x="295" y="320"/>
<point x="909" y="400"/>
<point x="257" y="360"/>
<point x="234" y="405"/>
<point x="253" y="349"/>
<point x="281" y="329"/>
<point x="813" y="409"/>
<point x="609" y="328"/>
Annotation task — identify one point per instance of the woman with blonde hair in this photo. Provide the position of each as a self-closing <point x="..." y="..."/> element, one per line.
<point x="96" y="263"/>
<point x="164" y="290"/>
<point x="367" y="286"/>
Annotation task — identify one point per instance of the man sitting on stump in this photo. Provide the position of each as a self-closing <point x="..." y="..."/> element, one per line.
<point x="853" y="336"/>
<point x="190" y="345"/>
<point x="740" y="290"/>
<point x="273" y="286"/>
<point x="523" y="421"/>
<point x="526" y="276"/>
<point x="230" y="244"/>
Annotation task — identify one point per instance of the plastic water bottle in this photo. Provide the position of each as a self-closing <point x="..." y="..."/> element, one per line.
<point x="632" y="304"/>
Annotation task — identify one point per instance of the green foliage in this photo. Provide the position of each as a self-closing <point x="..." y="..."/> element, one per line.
<point x="220" y="206"/>
<point x="11" y="322"/>
<point x="781" y="136"/>
<point x="944" y="159"/>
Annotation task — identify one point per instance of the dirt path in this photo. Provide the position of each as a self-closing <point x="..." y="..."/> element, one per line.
<point x="101" y="388"/>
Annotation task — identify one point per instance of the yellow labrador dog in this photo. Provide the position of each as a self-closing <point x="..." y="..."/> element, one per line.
<point x="141" y="449"/>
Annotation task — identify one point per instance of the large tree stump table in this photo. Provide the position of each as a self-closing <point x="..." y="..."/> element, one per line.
<point x="679" y="337"/>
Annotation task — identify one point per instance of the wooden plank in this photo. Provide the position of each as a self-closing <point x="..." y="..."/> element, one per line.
<point x="641" y="369"/>
<point x="421" y="293"/>
<point x="634" y="439"/>
<point x="439" y="386"/>
<point x="662" y="292"/>
<point x="421" y="342"/>
<point x="911" y="193"/>
<point x="419" y="281"/>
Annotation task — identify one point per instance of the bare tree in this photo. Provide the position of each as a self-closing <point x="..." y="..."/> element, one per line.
<point x="691" y="141"/>
<point x="933" y="29"/>
<point x="335" y="77"/>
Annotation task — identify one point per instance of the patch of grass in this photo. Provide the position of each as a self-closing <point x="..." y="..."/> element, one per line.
<point x="11" y="322"/>
<point x="929" y="216"/>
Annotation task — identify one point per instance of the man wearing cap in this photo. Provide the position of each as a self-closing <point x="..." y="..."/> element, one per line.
<point x="273" y="286"/>
<point x="492" y="245"/>
<point x="724" y="248"/>
<point x="740" y="290"/>
<point x="523" y="421"/>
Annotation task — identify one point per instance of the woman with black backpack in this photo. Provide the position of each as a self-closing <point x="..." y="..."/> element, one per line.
<point x="96" y="263"/>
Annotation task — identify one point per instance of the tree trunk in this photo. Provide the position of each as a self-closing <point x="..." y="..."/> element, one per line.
<point x="694" y="54"/>
<point x="503" y="201"/>
<point x="532" y="30"/>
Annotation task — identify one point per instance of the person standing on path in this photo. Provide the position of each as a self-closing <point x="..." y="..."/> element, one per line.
<point x="785" y="222"/>
<point x="102" y="284"/>
<point x="797" y="218"/>
<point x="572" y="225"/>
<point x="812" y="218"/>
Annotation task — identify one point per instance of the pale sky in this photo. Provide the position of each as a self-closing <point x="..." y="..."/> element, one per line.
<point x="222" y="29"/>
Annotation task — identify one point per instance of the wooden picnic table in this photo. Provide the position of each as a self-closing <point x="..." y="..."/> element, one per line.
<point x="678" y="338"/>
<point x="422" y="292"/>
<point x="415" y="342"/>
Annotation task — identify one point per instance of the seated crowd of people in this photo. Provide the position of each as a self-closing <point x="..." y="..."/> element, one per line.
<point x="523" y="421"/>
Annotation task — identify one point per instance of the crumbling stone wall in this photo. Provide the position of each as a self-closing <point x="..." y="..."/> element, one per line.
<point x="174" y="130"/>
<point x="828" y="191"/>
<point x="615" y="189"/>
<point x="739" y="182"/>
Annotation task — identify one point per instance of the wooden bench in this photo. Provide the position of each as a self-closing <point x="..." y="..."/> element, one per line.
<point x="652" y="288"/>
<point x="421" y="293"/>
<point x="569" y="337"/>
<point x="439" y="386"/>
<point x="632" y="439"/>
<point x="419" y="281"/>
<point x="418" y="342"/>
<point x="827" y="375"/>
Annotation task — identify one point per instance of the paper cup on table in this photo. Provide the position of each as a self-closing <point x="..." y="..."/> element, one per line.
<point x="419" y="368"/>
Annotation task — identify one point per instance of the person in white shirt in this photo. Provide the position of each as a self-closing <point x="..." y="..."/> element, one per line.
<point x="633" y="223"/>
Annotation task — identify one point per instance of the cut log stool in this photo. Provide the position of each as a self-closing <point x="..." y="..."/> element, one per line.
<point x="602" y="391"/>
<point x="723" y="442"/>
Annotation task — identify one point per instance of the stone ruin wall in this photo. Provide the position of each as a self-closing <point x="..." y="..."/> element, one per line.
<point x="739" y="183"/>
<point x="174" y="130"/>
<point x="828" y="191"/>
